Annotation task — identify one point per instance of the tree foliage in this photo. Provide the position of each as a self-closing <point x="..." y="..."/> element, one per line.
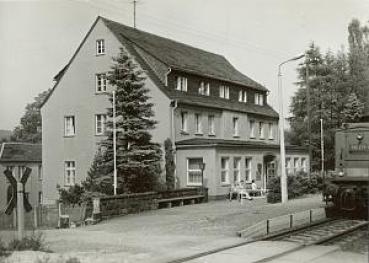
<point x="138" y="158"/>
<point x="338" y="84"/>
<point x="29" y="129"/>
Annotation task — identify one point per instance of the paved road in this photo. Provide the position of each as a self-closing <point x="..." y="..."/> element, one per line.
<point x="167" y="234"/>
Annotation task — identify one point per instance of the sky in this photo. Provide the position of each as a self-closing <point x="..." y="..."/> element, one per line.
<point x="37" y="38"/>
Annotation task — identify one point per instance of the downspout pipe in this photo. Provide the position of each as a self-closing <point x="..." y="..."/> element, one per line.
<point x="173" y="107"/>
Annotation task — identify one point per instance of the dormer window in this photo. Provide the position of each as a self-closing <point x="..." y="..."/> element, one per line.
<point x="224" y="92"/>
<point x="242" y="96"/>
<point x="204" y="88"/>
<point x="181" y="83"/>
<point x="259" y="100"/>
<point x="100" y="47"/>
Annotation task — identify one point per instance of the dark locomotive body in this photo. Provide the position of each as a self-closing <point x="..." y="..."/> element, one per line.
<point x="347" y="187"/>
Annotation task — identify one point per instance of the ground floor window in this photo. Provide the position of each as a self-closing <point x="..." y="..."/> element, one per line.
<point x="248" y="169"/>
<point x="70" y="173"/>
<point x="224" y="173"/>
<point x="303" y="165"/>
<point x="236" y="169"/>
<point x="194" y="176"/>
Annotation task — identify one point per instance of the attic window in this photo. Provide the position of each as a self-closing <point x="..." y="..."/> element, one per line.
<point x="181" y="83"/>
<point x="259" y="99"/>
<point x="242" y="96"/>
<point x="204" y="88"/>
<point x="224" y="92"/>
<point x="100" y="47"/>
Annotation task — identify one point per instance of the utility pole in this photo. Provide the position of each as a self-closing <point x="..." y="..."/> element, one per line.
<point x="115" y="145"/>
<point x="134" y="13"/>
<point x="284" y="186"/>
<point x="322" y="144"/>
<point x="308" y="98"/>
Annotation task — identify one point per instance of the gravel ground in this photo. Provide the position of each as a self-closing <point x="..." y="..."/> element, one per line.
<point x="166" y="234"/>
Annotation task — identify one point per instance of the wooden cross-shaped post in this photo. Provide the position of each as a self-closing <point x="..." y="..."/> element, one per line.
<point x="18" y="199"/>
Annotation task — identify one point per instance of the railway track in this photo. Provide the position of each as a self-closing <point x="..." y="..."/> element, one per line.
<point x="316" y="234"/>
<point x="321" y="233"/>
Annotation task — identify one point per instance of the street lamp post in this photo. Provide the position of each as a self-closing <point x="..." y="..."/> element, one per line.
<point x="115" y="145"/>
<point x="284" y="189"/>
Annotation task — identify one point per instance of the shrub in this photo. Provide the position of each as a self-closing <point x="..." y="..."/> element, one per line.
<point x="3" y="249"/>
<point x="34" y="242"/>
<point x="298" y="185"/>
<point x="72" y="195"/>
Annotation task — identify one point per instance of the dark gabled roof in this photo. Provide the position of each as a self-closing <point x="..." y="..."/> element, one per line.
<point x="20" y="152"/>
<point x="236" y="143"/>
<point x="219" y="103"/>
<point x="158" y="54"/>
<point x="183" y="57"/>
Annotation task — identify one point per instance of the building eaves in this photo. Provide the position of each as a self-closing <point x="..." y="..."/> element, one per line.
<point x="21" y="152"/>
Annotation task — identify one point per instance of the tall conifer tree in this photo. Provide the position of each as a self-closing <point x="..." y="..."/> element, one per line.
<point x="138" y="158"/>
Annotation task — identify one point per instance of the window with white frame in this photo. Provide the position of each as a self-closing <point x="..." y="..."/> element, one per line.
<point x="296" y="165"/>
<point x="211" y="124"/>
<point x="184" y="117"/>
<point x="224" y="170"/>
<point x="70" y="173"/>
<point x="100" y="47"/>
<point x="235" y="126"/>
<point x="100" y="124"/>
<point x="181" y="83"/>
<point x="69" y="126"/>
<point x="289" y="169"/>
<point x="261" y="130"/>
<point x="194" y="173"/>
<point x="236" y="169"/>
<point x="39" y="172"/>
<point x="248" y="161"/>
<point x="259" y="100"/>
<point x="242" y="96"/>
<point x="270" y="131"/>
<point x="252" y="129"/>
<point x="100" y="83"/>
<point x="224" y="92"/>
<point x="303" y="164"/>
<point x="198" y="123"/>
<point x="204" y="88"/>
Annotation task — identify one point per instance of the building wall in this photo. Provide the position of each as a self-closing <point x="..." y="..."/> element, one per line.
<point x="33" y="185"/>
<point x="212" y="158"/>
<point x="223" y="125"/>
<point x="75" y="95"/>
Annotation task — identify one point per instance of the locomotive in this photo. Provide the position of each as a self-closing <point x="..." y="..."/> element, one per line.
<point x="347" y="187"/>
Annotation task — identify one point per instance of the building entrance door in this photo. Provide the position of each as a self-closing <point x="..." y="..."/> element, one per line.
<point x="270" y="168"/>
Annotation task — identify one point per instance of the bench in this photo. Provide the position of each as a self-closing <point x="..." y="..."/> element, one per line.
<point x="181" y="200"/>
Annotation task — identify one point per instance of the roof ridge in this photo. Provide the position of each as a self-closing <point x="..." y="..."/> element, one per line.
<point x="167" y="38"/>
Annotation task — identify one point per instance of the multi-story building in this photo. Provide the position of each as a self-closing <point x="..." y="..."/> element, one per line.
<point x="16" y="157"/>
<point x="211" y="112"/>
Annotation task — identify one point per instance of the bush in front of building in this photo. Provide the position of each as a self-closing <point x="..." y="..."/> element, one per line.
<point x="34" y="242"/>
<point x="72" y="195"/>
<point x="298" y="185"/>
